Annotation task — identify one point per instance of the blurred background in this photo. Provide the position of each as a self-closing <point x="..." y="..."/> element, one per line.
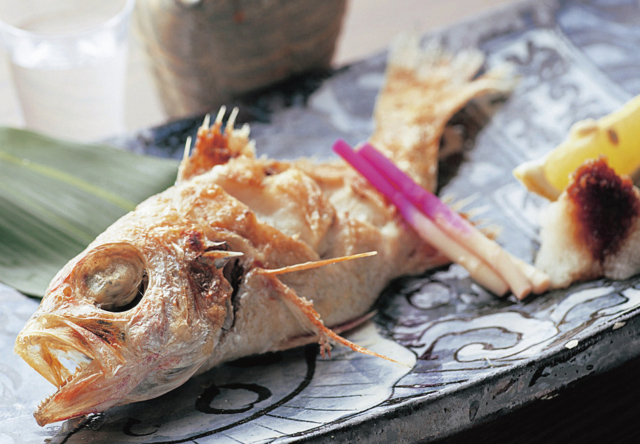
<point x="368" y="28"/>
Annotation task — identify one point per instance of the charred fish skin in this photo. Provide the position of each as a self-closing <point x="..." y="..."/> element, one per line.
<point x="179" y="284"/>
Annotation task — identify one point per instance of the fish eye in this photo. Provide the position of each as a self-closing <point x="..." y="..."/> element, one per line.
<point x="113" y="277"/>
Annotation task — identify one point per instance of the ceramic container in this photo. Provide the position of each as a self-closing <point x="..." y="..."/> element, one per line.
<point x="205" y="53"/>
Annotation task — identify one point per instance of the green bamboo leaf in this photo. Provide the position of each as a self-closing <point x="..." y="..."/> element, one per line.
<point x="57" y="196"/>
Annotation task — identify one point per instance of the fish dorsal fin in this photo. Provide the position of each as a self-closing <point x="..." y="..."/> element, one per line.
<point x="213" y="146"/>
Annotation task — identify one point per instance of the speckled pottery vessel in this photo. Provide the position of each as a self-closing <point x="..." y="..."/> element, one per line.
<point x="205" y="53"/>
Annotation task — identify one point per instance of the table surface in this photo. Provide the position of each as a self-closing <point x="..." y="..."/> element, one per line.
<point x="602" y="409"/>
<point x="368" y="28"/>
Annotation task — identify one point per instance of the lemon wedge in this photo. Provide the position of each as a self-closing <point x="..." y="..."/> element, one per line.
<point x="616" y="136"/>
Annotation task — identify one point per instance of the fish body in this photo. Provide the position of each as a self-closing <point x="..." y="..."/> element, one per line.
<point x="183" y="282"/>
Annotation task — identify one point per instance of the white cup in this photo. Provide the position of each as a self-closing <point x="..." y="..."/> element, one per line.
<point x="68" y="61"/>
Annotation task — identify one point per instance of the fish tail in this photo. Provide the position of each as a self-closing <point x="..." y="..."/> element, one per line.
<point x="423" y="89"/>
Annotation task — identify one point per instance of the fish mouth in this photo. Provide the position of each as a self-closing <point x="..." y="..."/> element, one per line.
<point x="79" y="363"/>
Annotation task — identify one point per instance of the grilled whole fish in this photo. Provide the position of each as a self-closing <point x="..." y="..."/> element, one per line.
<point x="185" y="281"/>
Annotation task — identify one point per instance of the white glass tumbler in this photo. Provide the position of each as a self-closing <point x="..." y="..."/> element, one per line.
<point x="68" y="61"/>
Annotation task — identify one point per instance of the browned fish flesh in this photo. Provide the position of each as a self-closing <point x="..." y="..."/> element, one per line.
<point x="186" y="281"/>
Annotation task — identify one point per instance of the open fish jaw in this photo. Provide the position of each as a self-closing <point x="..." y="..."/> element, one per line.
<point x="52" y="356"/>
<point x="92" y="375"/>
<point x="59" y="355"/>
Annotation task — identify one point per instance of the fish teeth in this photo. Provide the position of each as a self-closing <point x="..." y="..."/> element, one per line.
<point x="70" y="377"/>
<point x="45" y="401"/>
<point x="63" y="384"/>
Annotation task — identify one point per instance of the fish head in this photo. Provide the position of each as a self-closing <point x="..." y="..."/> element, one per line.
<point x="128" y="319"/>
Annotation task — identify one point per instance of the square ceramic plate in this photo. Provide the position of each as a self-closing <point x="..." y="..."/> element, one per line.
<point x="473" y="356"/>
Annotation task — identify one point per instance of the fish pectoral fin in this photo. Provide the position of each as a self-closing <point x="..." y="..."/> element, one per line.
<point x="304" y="312"/>
<point x="315" y="264"/>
